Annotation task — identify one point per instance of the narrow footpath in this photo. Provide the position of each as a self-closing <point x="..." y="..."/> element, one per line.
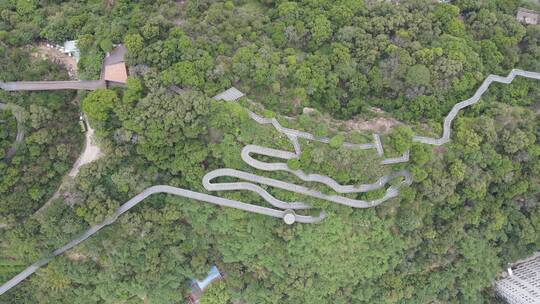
<point x="17" y="112"/>
<point x="90" y="153"/>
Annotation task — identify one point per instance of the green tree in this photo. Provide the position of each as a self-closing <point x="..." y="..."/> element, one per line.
<point x="99" y="103"/>
<point x="217" y="293"/>
<point x="418" y="75"/>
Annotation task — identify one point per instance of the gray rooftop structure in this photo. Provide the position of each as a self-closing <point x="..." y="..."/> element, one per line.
<point x="521" y="285"/>
<point x="114" y="69"/>
<point x="231" y="94"/>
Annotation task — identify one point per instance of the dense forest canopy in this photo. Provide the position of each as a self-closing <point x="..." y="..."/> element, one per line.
<point x="52" y="137"/>
<point x="473" y="206"/>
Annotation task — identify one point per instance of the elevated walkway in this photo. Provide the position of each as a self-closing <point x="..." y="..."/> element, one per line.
<point x="53" y="85"/>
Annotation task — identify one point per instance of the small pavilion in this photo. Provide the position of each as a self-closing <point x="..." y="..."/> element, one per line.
<point x="114" y="71"/>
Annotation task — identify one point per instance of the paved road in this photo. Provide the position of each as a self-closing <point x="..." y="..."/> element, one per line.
<point x="17" y="112"/>
<point x="447" y="125"/>
<point x="52" y="85"/>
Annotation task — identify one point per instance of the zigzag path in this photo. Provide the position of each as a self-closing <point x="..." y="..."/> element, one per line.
<point x="287" y="215"/>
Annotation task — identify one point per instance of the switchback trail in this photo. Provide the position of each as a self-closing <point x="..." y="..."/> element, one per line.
<point x="287" y="214"/>
<point x="391" y="192"/>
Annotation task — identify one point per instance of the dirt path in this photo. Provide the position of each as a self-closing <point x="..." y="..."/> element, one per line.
<point x="17" y="112"/>
<point x="379" y="124"/>
<point x="90" y="153"/>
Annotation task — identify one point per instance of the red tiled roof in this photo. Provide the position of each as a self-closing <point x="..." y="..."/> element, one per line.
<point x="116" y="72"/>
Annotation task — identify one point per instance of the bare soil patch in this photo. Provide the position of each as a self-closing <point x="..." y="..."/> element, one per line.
<point x="44" y="52"/>
<point x="91" y="153"/>
<point x="379" y="124"/>
<point x="76" y="256"/>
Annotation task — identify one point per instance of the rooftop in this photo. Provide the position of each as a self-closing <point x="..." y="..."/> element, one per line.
<point x="114" y="66"/>
<point x="70" y="47"/>
<point x="213" y="275"/>
<point x="522" y="283"/>
<point x="116" y="72"/>
<point x="231" y="94"/>
<point x="116" y="55"/>
<point x="198" y="287"/>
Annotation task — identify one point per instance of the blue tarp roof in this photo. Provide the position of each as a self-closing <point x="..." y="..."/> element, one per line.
<point x="213" y="275"/>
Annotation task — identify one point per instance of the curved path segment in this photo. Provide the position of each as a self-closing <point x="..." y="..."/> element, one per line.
<point x="447" y="125"/>
<point x="287" y="213"/>
<point x="17" y="112"/>
<point x="140" y="197"/>
<point x="293" y="135"/>
<point x="253" y="149"/>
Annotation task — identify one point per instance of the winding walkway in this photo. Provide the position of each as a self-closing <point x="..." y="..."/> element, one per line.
<point x="286" y="213"/>
<point x="140" y="197"/>
<point x="293" y="135"/>
<point x="17" y="112"/>
<point x="392" y="191"/>
<point x="447" y="125"/>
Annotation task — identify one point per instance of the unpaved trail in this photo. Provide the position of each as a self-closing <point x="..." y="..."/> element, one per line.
<point x="91" y="153"/>
<point x="17" y="112"/>
<point x="379" y="124"/>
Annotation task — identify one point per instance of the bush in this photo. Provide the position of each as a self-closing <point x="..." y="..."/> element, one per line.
<point x="337" y="141"/>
